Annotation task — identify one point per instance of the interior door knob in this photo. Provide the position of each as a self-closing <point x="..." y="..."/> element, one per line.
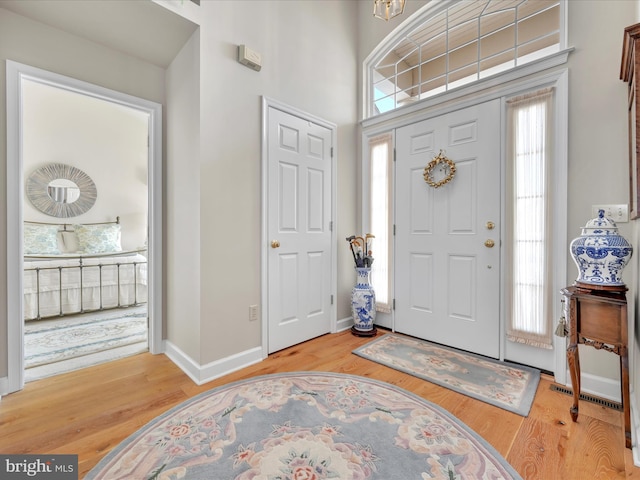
<point x="489" y="243"/>
<point x="275" y="243"/>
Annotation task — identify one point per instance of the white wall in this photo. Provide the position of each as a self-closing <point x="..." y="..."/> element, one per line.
<point x="598" y="133"/>
<point x="33" y="43"/>
<point x="309" y="62"/>
<point x="212" y="168"/>
<point x="106" y="141"/>
<point x="301" y="43"/>
<point x="182" y="200"/>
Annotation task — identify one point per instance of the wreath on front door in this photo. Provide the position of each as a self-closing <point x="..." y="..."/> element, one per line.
<point x="443" y="168"/>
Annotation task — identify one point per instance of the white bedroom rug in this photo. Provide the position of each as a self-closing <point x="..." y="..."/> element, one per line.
<point x="55" y="346"/>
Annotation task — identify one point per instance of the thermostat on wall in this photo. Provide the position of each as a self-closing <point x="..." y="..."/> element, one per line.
<point x="249" y="57"/>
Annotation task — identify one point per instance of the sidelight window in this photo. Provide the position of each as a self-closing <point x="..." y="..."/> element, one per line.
<point x="381" y="156"/>
<point x="529" y="167"/>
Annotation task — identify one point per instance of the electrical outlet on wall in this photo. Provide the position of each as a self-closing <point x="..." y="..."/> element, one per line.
<point x="253" y="312"/>
<point x="617" y="213"/>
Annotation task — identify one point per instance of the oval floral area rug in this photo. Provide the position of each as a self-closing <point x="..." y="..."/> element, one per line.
<point x="304" y="426"/>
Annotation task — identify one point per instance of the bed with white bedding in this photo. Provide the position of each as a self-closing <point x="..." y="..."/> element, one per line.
<point x="71" y="269"/>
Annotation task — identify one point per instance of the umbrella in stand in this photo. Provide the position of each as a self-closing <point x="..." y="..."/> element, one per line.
<point x="360" y="250"/>
<point x="350" y="240"/>
<point x="368" y="259"/>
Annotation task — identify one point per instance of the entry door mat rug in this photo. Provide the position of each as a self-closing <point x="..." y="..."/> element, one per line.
<point x="304" y="425"/>
<point x="54" y="346"/>
<point x="508" y="386"/>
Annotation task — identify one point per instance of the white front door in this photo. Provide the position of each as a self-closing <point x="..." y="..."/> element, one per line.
<point x="447" y="274"/>
<point x="299" y="163"/>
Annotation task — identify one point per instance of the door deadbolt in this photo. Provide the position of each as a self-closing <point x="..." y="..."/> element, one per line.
<point x="491" y="225"/>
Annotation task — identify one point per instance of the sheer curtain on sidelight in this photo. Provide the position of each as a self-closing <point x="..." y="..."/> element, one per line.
<point x="529" y="236"/>
<point x="381" y="160"/>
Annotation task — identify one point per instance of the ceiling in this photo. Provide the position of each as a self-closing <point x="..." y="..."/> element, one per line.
<point x="142" y="29"/>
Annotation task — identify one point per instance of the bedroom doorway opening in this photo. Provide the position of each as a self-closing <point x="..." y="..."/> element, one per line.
<point x="88" y="289"/>
<point x="85" y="173"/>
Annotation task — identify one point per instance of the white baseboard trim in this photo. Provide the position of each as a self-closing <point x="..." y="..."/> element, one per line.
<point x="344" y="324"/>
<point x="4" y="386"/>
<point x="202" y="374"/>
<point x="599" y="386"/>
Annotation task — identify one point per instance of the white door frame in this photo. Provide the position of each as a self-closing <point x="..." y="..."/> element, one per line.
<point x="264" y="276"/>
<point x="472" y="95"/>
<point x="15" y="197"/>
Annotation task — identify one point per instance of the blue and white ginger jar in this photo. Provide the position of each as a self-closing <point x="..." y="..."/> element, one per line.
<point x="601" y="253"/>
<point x="363" y="301"/>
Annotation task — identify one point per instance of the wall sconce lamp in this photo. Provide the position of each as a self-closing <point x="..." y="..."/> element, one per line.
<point x="386" y="9"/>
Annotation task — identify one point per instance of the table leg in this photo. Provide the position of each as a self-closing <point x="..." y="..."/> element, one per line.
<point x="624" y="375"/>
<point x="574" y="369"/>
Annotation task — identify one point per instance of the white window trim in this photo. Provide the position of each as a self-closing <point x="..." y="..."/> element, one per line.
<point x="386" y="140"/>
<point x="474" y="90"/>
<point x="384" y="319"/>
<point x="429" y="108"/>
<point x="417" y="19"/>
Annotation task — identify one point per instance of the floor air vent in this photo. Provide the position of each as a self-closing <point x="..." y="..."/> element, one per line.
<point x="589" y="398"/>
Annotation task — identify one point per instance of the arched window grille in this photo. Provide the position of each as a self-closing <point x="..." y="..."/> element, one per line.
<point x="445" y="48"/>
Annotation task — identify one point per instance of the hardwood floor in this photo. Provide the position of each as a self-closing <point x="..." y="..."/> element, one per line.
<point x="90" y="411"/>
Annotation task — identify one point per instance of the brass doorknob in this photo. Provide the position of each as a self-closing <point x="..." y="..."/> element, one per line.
<point x="489" y="243"/>
<point x="275" y="243"/>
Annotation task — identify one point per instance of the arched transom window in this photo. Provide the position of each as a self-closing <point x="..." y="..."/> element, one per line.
<point x="461" y="44"/>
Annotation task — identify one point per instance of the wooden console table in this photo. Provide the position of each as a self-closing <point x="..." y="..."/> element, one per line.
<point x="597" y="316"/>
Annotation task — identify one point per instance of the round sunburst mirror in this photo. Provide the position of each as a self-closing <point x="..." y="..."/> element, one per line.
<point x="61" y="190"/>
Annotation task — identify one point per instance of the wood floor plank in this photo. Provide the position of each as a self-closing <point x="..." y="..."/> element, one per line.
<point x="538" y="451"/>
<point x="91" y="411"/>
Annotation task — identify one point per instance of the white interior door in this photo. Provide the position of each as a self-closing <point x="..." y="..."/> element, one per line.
<point x="447" y="278"/>
<point x="299" y="234"/>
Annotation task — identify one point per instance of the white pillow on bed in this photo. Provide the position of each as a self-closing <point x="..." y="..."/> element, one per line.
<point x="98" y="238"/>
<point x="67" y="241"/>
<point x="40" y="239"/>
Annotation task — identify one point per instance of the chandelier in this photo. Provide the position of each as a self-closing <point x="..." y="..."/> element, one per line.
<point x="386" y="9"/>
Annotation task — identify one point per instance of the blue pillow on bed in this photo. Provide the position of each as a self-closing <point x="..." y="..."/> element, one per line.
<point x="40" y="239"/>
<point x="98" y="238"/>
